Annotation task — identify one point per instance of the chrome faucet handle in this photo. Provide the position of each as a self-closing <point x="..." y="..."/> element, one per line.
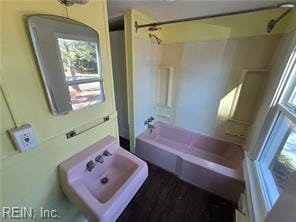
<point x="99" y="159"/>
<point x="90" y="165"/>
<point x="151" y="119"/>
<point x="107" y="153"/>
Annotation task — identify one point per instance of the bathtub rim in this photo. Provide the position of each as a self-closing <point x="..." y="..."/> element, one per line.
<point x="158" y="122"/>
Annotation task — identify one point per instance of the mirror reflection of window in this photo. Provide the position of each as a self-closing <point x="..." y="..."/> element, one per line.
<point x="79" y="58"/>
<point x="82" y="71"/>
<point x="70" y="62"/>
<point x="87" y="94"/>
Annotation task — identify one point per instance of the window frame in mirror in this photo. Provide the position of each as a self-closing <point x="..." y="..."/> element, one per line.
<point x="60" y="102"/>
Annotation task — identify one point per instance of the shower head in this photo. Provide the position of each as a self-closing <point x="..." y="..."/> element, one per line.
<point x="272" y="22"/>
<point x="158" y="40"/>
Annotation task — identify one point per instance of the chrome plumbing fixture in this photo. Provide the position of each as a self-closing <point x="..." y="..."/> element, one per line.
<point x="151" y="119"/>
<point x="72" y="2"/>
<point x="149" y="125"/>
<point x="288" y="5"/>
<point x="107" y="153"/>
<point x="100" y="158"/>
<point x="90" y="165"/>
<point x="272" y="22"/>
<point x="158" y="40"/>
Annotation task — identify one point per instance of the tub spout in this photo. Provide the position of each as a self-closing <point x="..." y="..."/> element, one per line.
<point x="150" y="127"/>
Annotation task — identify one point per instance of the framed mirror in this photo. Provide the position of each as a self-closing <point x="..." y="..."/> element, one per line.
<point x="69" y="59"/>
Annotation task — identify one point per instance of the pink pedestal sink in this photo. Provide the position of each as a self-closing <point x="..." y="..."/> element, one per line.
<point x="103" y="192"/>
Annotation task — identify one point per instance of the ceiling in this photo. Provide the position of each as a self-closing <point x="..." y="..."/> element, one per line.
<point x="176" y="9"/>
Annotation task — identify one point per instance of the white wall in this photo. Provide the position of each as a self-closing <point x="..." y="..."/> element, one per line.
<point x="119" y="77"/>
<point x="201" y="84"/>
<point x="206" y="76"/>
<point x="243" y="53"/>
<point x="145" y="66"/>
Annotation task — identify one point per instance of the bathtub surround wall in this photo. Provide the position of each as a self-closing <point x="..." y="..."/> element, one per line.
<point x="30" y="179"/>
<point x="250" y="54"/>
<point x="201" y="82"/>
<point x="206" y="76"/>
<point x="145" y="68"/>
<point x="120" y="82"/>
<point x="168" y="56"/>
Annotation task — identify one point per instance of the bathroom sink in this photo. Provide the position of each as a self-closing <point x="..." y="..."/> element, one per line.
<point x="102" y="185"/>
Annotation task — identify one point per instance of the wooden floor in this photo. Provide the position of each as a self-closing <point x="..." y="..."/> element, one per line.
<point x="124" y="143"/>
<point x="165" y="198"/>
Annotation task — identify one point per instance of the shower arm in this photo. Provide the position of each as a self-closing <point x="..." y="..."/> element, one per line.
<point x="158" y="40"/>
<point x="273" y="22"/>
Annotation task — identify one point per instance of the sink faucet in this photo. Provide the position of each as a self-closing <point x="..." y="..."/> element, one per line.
<point x="149" y="125"/>
<point x="90" y="165"/>
<point x="107" y="153"/>
<point x="151" y="119"/>
<point x="100" y="158"/>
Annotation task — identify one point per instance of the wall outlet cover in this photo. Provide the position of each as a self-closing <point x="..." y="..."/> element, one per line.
<point x="23" y="137"/>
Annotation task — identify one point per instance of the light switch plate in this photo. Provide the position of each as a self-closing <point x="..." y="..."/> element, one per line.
<point x="23" y="137"/>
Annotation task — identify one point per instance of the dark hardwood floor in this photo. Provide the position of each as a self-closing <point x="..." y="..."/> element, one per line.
<point x="124" y="143"/>
<point x="165" y="198"/>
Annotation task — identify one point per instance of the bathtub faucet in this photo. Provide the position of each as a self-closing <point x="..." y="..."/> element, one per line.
<point x="151" y="119"/>
<point x="149" y="125"/>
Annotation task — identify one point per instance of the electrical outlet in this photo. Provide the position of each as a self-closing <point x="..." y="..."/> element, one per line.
<point x="23" y="137"/>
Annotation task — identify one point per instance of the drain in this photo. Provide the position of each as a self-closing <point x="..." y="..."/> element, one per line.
<point x="104" y="180"/>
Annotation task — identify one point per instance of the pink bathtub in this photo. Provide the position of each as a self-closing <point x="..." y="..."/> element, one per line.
<point x="211" y="164"/>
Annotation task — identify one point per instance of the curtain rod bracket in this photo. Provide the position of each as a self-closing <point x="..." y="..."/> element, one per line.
<point x="152" y="26"/>
<point x="273" y="22"/>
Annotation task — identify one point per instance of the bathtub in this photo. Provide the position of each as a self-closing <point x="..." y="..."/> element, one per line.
<point x="209" y="163"/>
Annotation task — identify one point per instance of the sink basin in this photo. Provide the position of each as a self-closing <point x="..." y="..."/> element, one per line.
<point x="103" y="192"/>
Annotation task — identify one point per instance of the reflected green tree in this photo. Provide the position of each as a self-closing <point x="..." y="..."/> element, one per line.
<point x="78" y="57"/>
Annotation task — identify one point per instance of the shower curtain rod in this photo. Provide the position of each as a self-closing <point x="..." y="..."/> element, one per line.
<point x="154" y="24"/>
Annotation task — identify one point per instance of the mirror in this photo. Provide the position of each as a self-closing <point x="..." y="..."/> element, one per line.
<point x="69" y="60"/>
